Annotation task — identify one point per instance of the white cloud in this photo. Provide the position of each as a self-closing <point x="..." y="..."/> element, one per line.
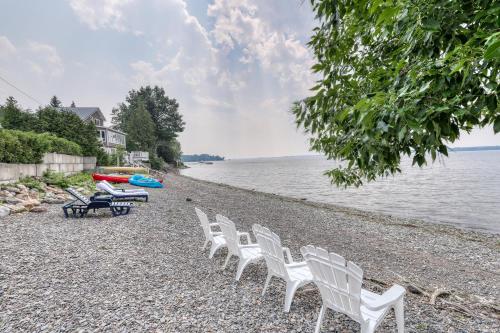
<point x="44" y="58"/>
<point x="212" y="102"/>
<point x="6" y="47"/>
<point x="238" y="24"/>
<point x="101" y="13"/>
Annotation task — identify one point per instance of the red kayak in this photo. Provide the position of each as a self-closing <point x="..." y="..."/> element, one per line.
<point x="115" y="178"/>
<point x="111" y="178"/>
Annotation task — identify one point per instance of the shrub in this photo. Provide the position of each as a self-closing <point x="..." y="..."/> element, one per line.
<point x="31" y="182"/>
<point x="55" y="179"/>
<point x="157" y="163"/>
<point x="28" y="147"/>
<point x="82" y="179"/>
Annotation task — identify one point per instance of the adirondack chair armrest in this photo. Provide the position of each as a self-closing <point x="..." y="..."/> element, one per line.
<point x="390" y="297"/>
<point x="288" y="255"/>
<point x="250" y="246"/>
<point x="246" y="234"/>
<point x="297" y="264"/>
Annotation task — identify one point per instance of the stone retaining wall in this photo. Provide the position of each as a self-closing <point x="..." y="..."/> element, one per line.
<point x="67" y="164"/>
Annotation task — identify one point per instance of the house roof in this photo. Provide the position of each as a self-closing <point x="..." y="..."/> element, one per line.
<point x="84" y="112"/>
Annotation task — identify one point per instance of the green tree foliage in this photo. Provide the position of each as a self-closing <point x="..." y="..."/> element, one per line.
<point x="399" y="77"/>
<point x="140" y="129"/>
<point x="14" y="118"/>
<point x="171" y="151"/>
<point x="55" y="102"/>
<point x="63" y="124"/>
<point x="164" y="113"/>
<point x="29" y="147"/>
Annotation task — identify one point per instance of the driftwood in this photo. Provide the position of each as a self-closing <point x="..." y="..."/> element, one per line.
<point x="455" y="304"/>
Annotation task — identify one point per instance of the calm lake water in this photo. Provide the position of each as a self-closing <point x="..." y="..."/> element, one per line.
<point x="462" y="190"/>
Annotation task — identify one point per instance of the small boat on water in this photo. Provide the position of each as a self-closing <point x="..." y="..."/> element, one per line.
<point x="140" y="180"/>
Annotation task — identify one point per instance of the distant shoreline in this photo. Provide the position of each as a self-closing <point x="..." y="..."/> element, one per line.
<point x="479" y="148"/>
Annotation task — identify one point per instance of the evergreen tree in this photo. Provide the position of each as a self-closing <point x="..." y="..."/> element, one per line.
<point x="55" y="102"/>
<point x="13" y="117"/>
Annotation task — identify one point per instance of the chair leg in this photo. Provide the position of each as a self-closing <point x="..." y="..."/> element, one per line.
<point x="320" y="319"/>
<point x="400" y="317"/>
<point x="213" y="249"/>
<point x="268" y="279"/>
<point x="241" y="266"/>
<point x="205" y="245"/>
<point x="229" y="255"/>
<point x="291" y="287"/>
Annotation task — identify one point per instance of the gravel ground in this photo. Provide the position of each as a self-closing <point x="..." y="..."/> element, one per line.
<point x="147" y="272"/>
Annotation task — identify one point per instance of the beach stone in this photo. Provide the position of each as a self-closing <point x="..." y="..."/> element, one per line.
<point x="12" y="200"/>
<point x="22" y="187"/>
<point x="13" y="189"/>
<point x="53" y="200"/>
<point x="38" y="209"/>
<point x="4" y="211"/>
<point x="14" y="209"/>
<point x="22" y="196"/>
<point x="30" y="203"/>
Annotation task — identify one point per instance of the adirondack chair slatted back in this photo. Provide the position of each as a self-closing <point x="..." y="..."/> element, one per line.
<point x="204" y="223"/>
<point x="79" y="196"/>
<point x="339" y="282"/>
<point x="272" y="250"/>
<point x="230" y="234"/>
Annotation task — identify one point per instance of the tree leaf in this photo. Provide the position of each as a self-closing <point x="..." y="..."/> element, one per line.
<point x="496" y="125"/>
<point x="430" y="24"/>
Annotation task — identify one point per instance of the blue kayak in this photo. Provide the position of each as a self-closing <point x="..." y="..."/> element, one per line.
<point x="140" y="180"/>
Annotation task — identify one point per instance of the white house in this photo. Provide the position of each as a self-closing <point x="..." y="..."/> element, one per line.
<point x="110" y="138"/>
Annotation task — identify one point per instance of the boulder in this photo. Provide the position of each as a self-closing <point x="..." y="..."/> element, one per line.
<point x="12" y="200"/>
<point x="19" y="208"/>
<point x="22" y="187"/>
<point x="4" y="211"/>
<point x="13" y="189"/>
<point x="22" y="196"/>
<point x="38" y="209"/>
<point x="30" y="203"/>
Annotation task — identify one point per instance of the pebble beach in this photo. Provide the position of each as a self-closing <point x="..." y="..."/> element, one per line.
<point x="147" y="272"/>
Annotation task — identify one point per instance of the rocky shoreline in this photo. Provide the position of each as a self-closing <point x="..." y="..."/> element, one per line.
<point x="147" y="272"/>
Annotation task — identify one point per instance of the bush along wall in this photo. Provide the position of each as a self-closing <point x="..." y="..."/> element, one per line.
<point x="29" y="147"/>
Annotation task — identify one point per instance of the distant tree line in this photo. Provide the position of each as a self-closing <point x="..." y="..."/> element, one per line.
<point x="201" y="158"/>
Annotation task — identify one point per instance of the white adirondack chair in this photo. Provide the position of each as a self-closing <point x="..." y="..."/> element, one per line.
<point x="339" y="283"/>
<point x="216" y="238"/>
<point x="296" y="274"/>
<point x="246" y="253"/>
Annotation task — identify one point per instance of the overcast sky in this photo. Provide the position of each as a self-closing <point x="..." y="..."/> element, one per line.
<point x="235" y="66"/>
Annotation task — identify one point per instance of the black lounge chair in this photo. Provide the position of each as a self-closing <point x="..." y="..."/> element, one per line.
<point x="81" y="205"/>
